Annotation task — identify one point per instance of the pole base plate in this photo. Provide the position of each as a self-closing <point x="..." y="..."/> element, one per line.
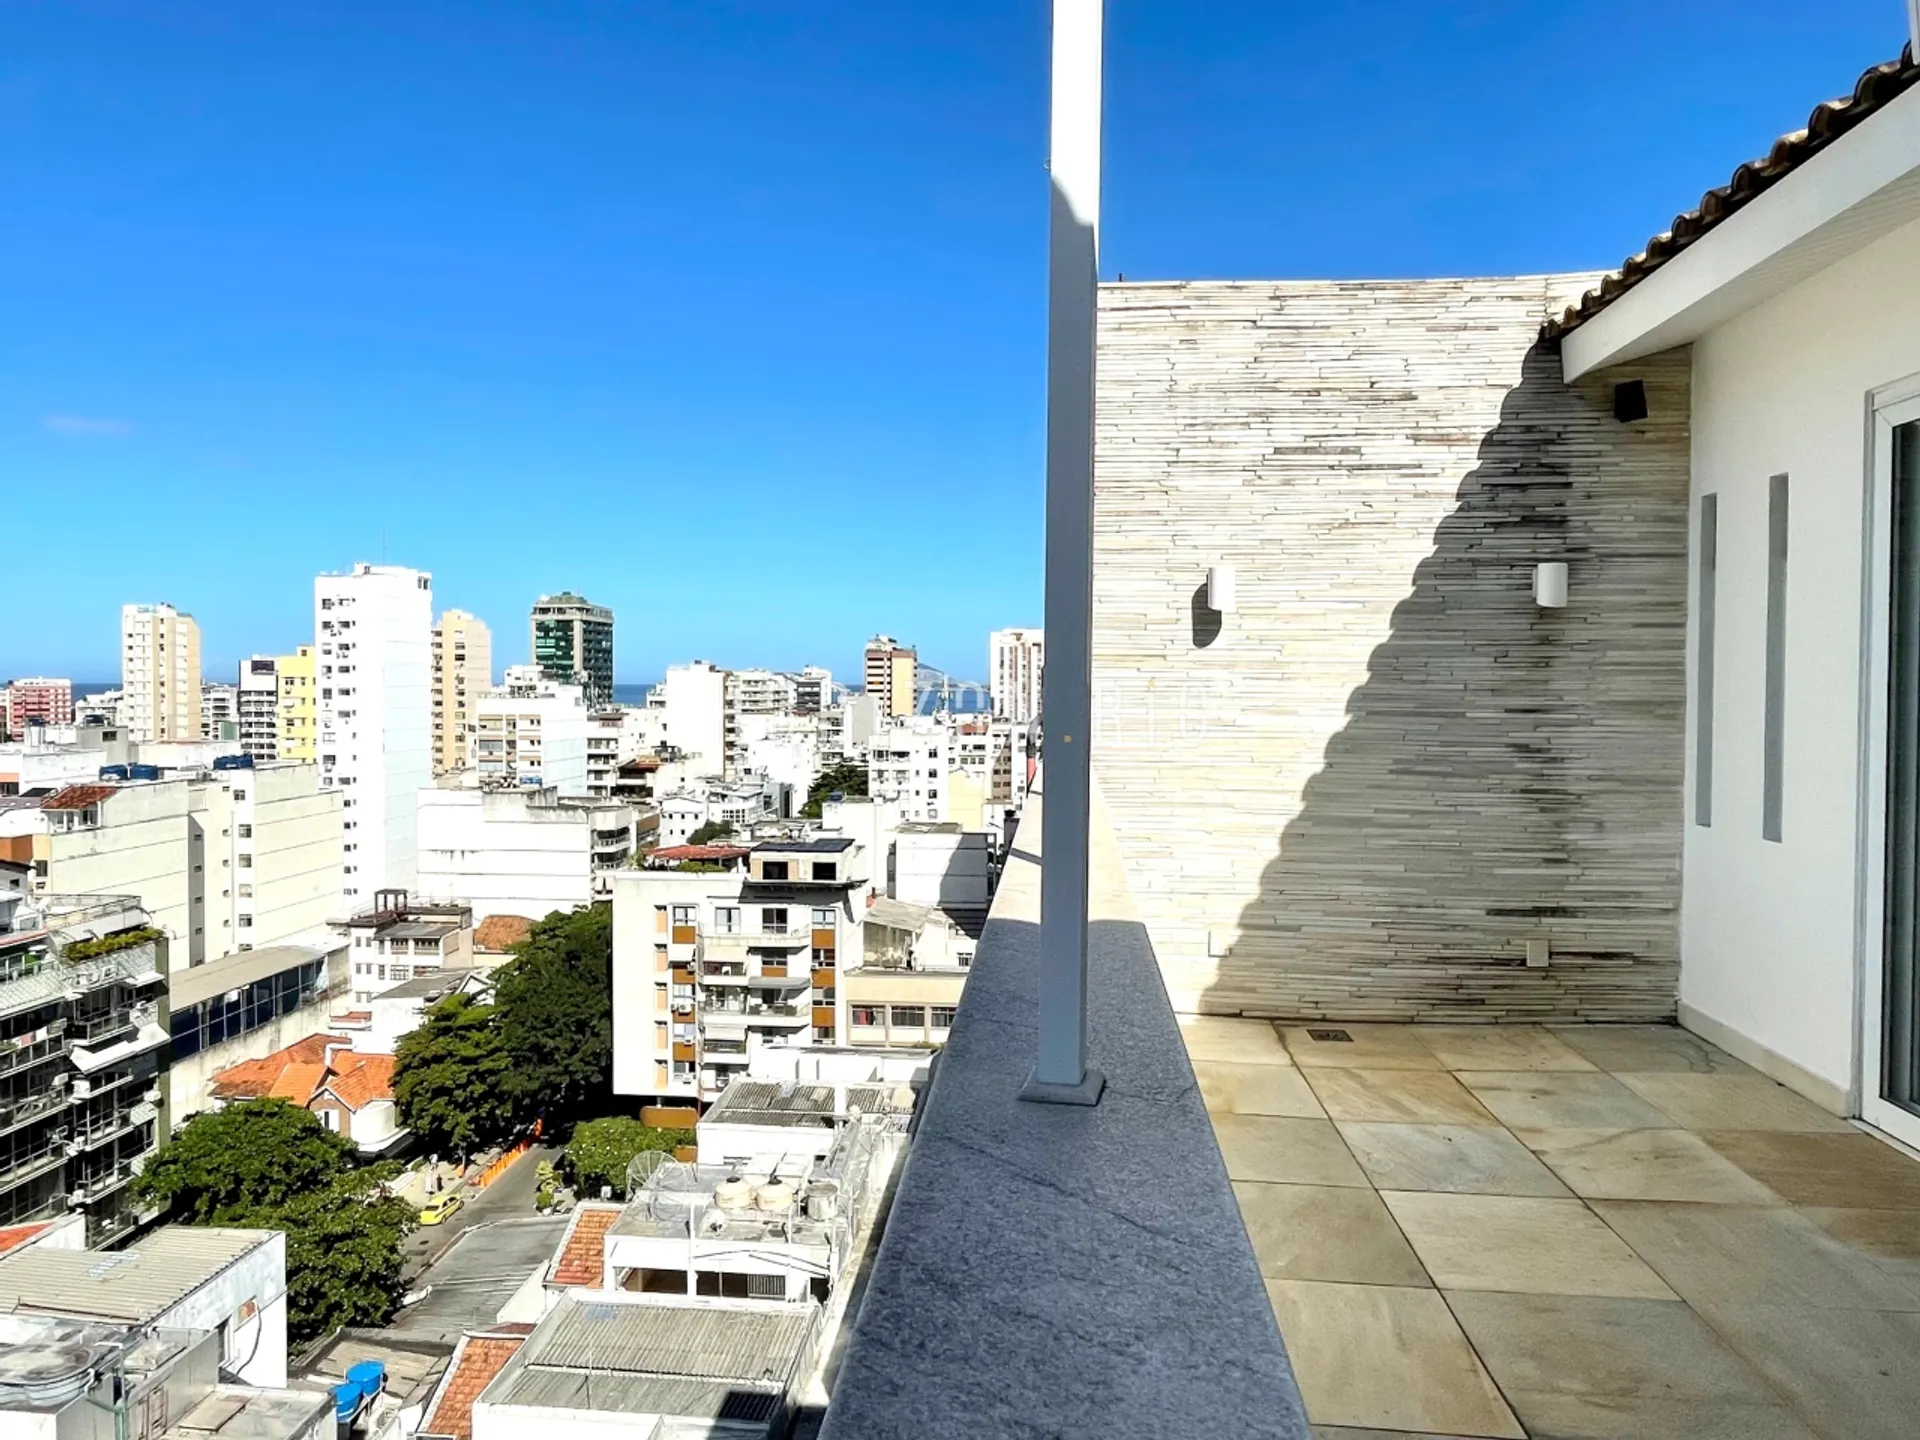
<point x="1044" y="1092"/>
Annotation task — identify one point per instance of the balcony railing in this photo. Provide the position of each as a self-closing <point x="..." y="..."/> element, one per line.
<point x="24" y="1165"/>
<point x="58" y="979"/>
<point x="27" y="1109"/>
<point x="14" y="1056"/>
<point x="1095" y="1235"/>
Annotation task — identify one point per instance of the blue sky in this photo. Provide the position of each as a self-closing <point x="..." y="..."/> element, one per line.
<point x="727" y="313"/>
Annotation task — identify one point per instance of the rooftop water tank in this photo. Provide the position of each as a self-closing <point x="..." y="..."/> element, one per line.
<point x="733" y="1193"/>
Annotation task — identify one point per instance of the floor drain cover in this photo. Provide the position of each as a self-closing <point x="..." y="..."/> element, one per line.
<point x="1329" y="1035"/>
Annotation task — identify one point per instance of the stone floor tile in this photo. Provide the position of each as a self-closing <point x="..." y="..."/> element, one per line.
<point x="1412" y="1096"/>
<point x="1386" y="1357"/>
<point x="1595" y="1417"/>
<point x="1645" y="1165"/>
<point x="1469" y="1159"/>
<point x="1552" y="1101"/>
<point x="1222" y="1037"/>
<point x="1501" y="1047"/>
<point x="1348" y="1432"/>
<point x="1368" y="1047"/>
<point x="1854" y="1170"/>
<point x="1234" y="1088"/>
<point x="1714" y="1255"/>
<point x="1732" y="1102"/>
<point x="1630" y="1049"/>
<point x="1852" y="1374"/>
<point x="1285" y="1151"/>
<point x="1889" y="1238"/>
<point x="1326" y="1232"/>
<point x="1520" y="1244"/>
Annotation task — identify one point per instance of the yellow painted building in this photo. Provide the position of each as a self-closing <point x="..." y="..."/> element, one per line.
<point x="296" y="714"/>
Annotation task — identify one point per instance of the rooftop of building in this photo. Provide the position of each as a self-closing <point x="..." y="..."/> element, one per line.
<point x="685" y="854"/>
<point x="135" y="1286"/>
<point x="480" y="1356"/>
<point x="435" y="983"/>
<point x="902" y="915"/>
<point x="248" y="1412"/>
<point x="200" y="983"/>
<point x="804" y="1103"/>
<point x="302" y="1070"/>
<point x="77" y="797"/>
<point x="580" y="1259"/>
<point x="810" y="845"/>
<point x="498" y="934"/>
<point x="393" y="908"/>
<point x="732" y="1360"/>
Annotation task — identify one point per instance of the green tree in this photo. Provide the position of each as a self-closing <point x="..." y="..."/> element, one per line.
<point x="600" y="1151"/>
<point x="710" y="832"/>
<point x="553" y="1004"/>
<point x="255" y="1153"/>
<point x="451" y="1078"/>
<point x="344" y="1264"/>
<point x="848" y="779"/>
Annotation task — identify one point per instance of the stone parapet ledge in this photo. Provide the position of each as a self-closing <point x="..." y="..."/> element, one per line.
<point x="1059" y="1271"/>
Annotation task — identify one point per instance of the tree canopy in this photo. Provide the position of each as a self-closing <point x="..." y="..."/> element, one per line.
<point x="451" y="1078"/>
<point x="258" y="1152"/>
<point x="269" y="1165"/>
<point x="553" y="1007"/>
<point x="708" y="833"/>
<point x="600" y="1151"/>
<point x="849" y="779"/>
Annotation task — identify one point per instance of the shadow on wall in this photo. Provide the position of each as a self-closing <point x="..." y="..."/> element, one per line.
<point x="1506" y="773"/>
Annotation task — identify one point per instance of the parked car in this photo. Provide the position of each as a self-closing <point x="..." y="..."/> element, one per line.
<point x="440" y="1208"/>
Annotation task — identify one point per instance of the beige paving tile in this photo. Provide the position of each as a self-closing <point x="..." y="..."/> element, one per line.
<point x="1630" y="1049"/>
<point x="1501" y="1047"/>
<point x="1732" y="1102"/>
<point x="1851" y="1170"/>
<point x="1714" y="1255"/>
<point x="1520" y="1244"/>
<point x="1369" y="1047"/>
<point x="1233" y="1088"/>
<point x="1556" y="1101"/>
<point x="1285" y="1151"/>
<point x="1348" y="1432"/>
<point x="1469" y="1159"/>
<point x="1416" y="1096"/>
<point x="1889" y="1238"/>
<point x="1851" y="1373"/>
<point x="1386" y="1357"/>
<point x="1645" y="1165"/>
<point x="1622" y="1369"/>
<point x="1220" y="1037"/>
<point x="1326" y="1232"/>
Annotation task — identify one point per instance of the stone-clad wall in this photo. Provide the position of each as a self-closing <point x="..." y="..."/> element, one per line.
<point x="1359" y="796"/>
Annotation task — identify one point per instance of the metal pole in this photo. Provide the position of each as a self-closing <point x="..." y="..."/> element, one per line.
<point x="1061" y="1074"/>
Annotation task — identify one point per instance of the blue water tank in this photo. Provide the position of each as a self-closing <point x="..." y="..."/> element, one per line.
<point x="113" y="772"/>
<point x="346" y="1402"/>
<point x="369" y="1375"/>
<point x="143" y="772"/>
<point x="233" y="762"/>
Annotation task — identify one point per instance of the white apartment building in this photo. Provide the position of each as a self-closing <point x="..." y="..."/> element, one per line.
<point x="784" y="748"/>
<point x="1015" y="661"/>
<point x="159" y="673"/>
<point x="761" y="692"/>
<point x="711" y="968"/>
<point x="223" y="860"/>
<point x="520" y="852"/>
<point x="813" y="690"/>
<point x="258" y="706"/>
<point x="908" y="761"/>
<point x="219" y="711"/>
<point x="531" y="731"/>
<point x="373" y="629"/>
<point x="462" y="668"/>
<point x="398" y="939"/>
<point x="738" y="803"/>
<point x="693" y="705"/>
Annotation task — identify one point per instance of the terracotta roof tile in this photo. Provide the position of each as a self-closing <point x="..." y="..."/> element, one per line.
<point x="76" y="797"/>
<point x="499" y="933"/>
<point x="478" y="1359"/>
<point x="583" y="1255"/>
<point x="252" y="1079"/>
<point x="1874" y="90"/>
<point x="361" y="1079"/>
<point x="298" y="1082"/>
<point x="14" y="1236"/>
<point x="697" y="852"/>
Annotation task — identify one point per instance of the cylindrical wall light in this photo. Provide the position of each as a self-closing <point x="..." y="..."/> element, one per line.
<point x="1221" y="593"/>
<point x="1550" y="584"/>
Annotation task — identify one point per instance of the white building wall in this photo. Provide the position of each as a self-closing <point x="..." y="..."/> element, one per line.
<point x="909" y="761"/>
<point x="257" y="1346"/>
<point x="532" y="731"/>
<point x="503" y="854"/>
<point x="373" y="632"/>
<point x="287" y="871"/>
<point x="1016" y="659"/>
<point x="1768" y="929"/>
<point x="694" y="705"/>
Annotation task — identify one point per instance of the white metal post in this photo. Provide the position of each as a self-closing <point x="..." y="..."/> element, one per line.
<point x="1061" y="1074"/>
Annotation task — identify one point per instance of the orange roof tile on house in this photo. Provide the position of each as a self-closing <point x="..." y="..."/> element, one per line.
<point x="499" y="933"/>
<point x="674" y="854"/>
<point x="76" y="797"/>
<point x="14" y="1236"/>
<point x="583" y="1254"/>
<point x="299" y="1082"/>
<point x="476" y="1361"/>
<point x="359" y="1080"/>
<point x="257" y="1079"/>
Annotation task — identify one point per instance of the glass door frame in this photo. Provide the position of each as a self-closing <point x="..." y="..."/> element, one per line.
<point x="1888" y="408"/>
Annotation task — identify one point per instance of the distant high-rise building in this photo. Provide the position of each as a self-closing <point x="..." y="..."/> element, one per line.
<point x="694" y="698"/>
<point x="297" y="720"/>
<point x="531" y="732"/>
<point x="891" y="670"/>
<point x="373" y="629"/>
<point x="462" y="668"/>
<point x="259" y="707"/>
<point x="812" y="690"/>
<point x="159" y="673"/>
<point x="219" y="711"/>
<point x="573" y="643"/>
<point x="36" y="699"/>
<point x="1015" y="662"/>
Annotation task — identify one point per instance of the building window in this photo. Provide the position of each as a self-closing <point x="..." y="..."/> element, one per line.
<point x="910" y="1017"/>
<point x="683" y="914"/>
<point x="826" y="870"/>
<point x="823" y="916"/>
<point x="773" y="920"/>
<point x="1703" y="661"/>
<point x="773" y="869"/>
<point x="1773" y="738"/>
<point x="402" y="972"/>
<point x="864" y="1015"/>
<point x="726" y="919"/>
<point x="941" y="1016"/>
<point x="246" y="832"/>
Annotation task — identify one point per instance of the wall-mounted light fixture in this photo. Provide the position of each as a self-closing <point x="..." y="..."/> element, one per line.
<point x="1222" y="594"/>
<point x="1550" y="584"/>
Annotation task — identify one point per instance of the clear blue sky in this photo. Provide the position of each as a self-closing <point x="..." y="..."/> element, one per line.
<point x="727" y="313"/>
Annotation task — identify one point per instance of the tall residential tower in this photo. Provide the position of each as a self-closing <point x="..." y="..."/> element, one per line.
<point x="1015" y="661"/>
<point x="159" y="673"/>
<point x="462" y="668"/>
<point x="572" y="640"/>
<point x="891" y="670"/>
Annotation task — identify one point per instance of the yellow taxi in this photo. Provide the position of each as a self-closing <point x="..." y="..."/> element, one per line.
<point x="440" y="1208"/>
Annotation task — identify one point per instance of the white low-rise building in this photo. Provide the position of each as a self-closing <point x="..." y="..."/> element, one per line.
<point x="521" y="852"/>
<point x="908" y="761"/>
<point x="532" y="731"/>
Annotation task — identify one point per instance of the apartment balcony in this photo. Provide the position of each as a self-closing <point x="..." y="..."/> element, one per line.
<point x="16" y="1168"/>
<point x="722" y="943"/>
<point x="15" y="1057"/>
<point x="54" y="979"/>
<point x="22" y="1112"/>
